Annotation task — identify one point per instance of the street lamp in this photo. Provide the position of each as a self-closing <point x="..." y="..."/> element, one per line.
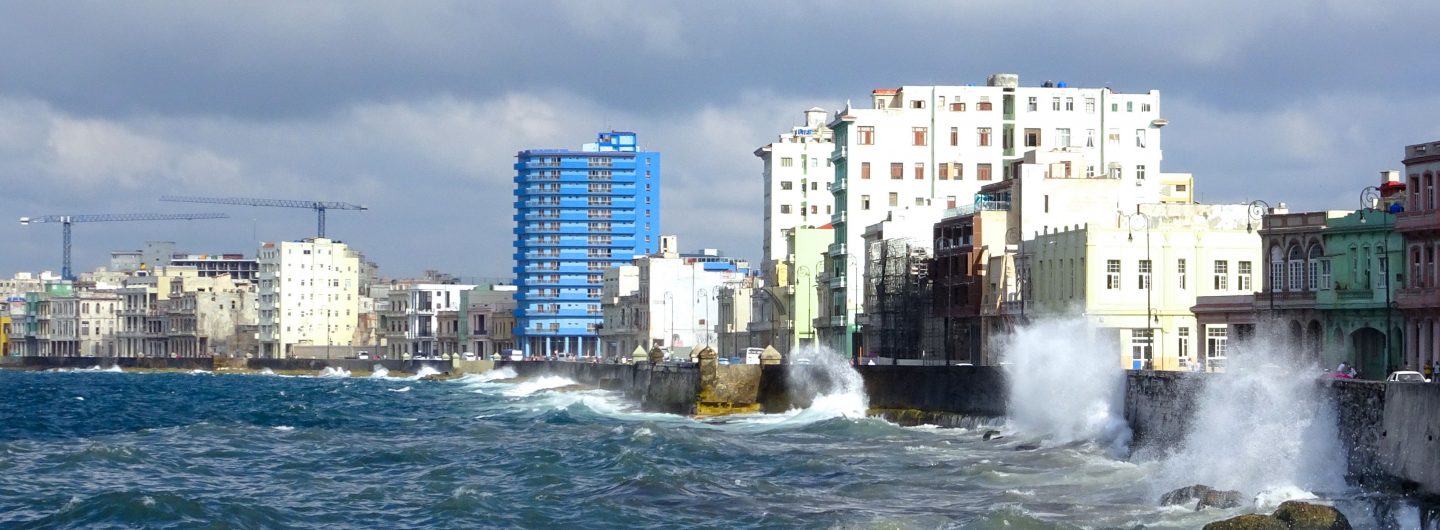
<point x="805" y="272"/>
<point x="1370" y="200"/>
<point x="670" y="303"/>
<point x="1136" y="221"/>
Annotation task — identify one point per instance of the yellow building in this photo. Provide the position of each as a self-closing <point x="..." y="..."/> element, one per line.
<point x="4" y="335"/>
<point x="1139" y="274"/>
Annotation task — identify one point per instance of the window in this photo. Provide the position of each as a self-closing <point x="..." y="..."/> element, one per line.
<point x="958" y="171"/>
<point x="1113" y="136"/>
<point x="919" y="171"/>
<point x="1129" y="106"/>
<point x="1033" y="104"/>
<point x="1182" y="345"/>
<point x="1032" y="137"/>
<point x="1180" y="272"/>
<point x="786" y="185"/>
<point x="1139" y="137"/>
<point x="864" y="202"/>
<point x="1144" y="277"/>
<point x="1222" y="275"/>
<point x="1312" y="260"/>
<point x="1112" y="274"/>
<point x="954" y="136"/>
<point x="1215" y="337"/>
<point x="1069" y="104"/>
<point x="814" y="209"/>
<point x="784" y="208"/>
<point x="867" y="135"/>
<point x="982" y="136"/>
<point x="917" y="103"/>
<point x="897" y="171"/>
<point x="1115" y="171"/>
<point x="984" y="104"/>
<point x="1142" y="349"/>
<point x="1383" y="283"/>
<point x="1089" y="137"/>
<point x="894" y="199"/>
<point x="1055" y="103"/>
<point x="865" y="170"/>
<point x="1324" y="282"/>
<point x="919" y="135"/>
<point x="1144" y="107"/>
<point x="1089" y="105"/>
<point x="944" y="171"/>
<point x="1140" y="172"/>
<point x="1242" y="276"/>
<point x="919" y="201"/>
<point x="1277" y="270"/>
<point x="1062" y="137"/>
<point x="982" y="171"/>
<point x="786" y="161"/>
<point x="957" y="107"/>
<point x="814" y="186"/>
<point x="1296" y="269"/>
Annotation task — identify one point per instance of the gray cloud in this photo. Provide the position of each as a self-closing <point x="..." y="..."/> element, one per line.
<point x="417" y="109"/>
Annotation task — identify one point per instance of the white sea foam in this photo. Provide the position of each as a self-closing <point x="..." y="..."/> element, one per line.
<point x="498" y="374"/>
<point x="379" y="372"/>
<point x="425" y="371"/>
<point x="198" y="371"/>
<point x="835" y="388"/>
<point x="401" y="389"/>
<point x="79" y="398"/>
<point x="1263" y="428"/>
<point x="284" y="428"/>
<point x="1066" y="384"/>
<point x="538" y="384"/>
<point x="266" y="371"/>
<point x="331" y="371"/>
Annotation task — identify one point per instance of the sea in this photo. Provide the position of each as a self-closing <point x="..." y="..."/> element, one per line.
<point x="104" y="449"/>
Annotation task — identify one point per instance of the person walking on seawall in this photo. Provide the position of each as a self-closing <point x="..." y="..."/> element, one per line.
<point x="1429" y="371"/>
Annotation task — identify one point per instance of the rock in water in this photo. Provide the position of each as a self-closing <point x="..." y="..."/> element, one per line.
<point x="992" y="435"/>
<point x="1219" y="499"/>
<point x="1305" y="516"/>
<point x="1248" y="522"/>
<point x="1203" y="496"/>
<point x="1185" y="495"/>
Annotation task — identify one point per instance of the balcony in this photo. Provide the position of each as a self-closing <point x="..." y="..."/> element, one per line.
<point x="1417" y="297"/>
<point x="1418" y="221"/>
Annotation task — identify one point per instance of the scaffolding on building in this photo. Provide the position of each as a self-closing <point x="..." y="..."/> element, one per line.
<point x="901" y="324"/>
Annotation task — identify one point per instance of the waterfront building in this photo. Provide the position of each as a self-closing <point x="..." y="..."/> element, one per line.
<point x="1419" y="225"/>
<point x="489" y="325"/>
<point x="786" y="306"/>
<point x="733" y="306"/>
<point x="577" y="214"/>
<point x="308" y="295"/>
<point x="1354" y="284"/>
<point x="897" y="322"/>
<point x="966" y="241"/>
<point x="5" y="331"/>
<point x="79" y="323"/>
<point x="938" y="145"/>
<point x="211" y="315"/>
<point x="1139" y="275"/>
<point x="798" y="172"/>
<point x="673" y="303"/>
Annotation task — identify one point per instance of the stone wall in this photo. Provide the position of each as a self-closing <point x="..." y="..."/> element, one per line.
<point x="972" y="391"/>
<point x="142" y="363"/>
<point x="1407" y="444"/>
<point x="672" y="388"/>
<point x="1159" y="405"/>
<point x="350" y="365"/>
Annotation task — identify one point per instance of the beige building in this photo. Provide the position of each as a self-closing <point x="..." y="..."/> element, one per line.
<point x="308" y="295"/>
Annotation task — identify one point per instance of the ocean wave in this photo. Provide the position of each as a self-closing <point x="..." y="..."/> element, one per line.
<point x="423" y="372"/>
<point x="537" y="385"/>
<point x="331" y="371"/>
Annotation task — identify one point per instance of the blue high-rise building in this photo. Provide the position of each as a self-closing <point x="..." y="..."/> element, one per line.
<point x="578" y="213"/>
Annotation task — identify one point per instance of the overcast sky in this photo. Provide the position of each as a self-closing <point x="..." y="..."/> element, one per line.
<point x="416" y="109"/>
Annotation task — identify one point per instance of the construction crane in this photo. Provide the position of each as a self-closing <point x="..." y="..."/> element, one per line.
<point x="67" y="220"/>
<point x="318" y="206"/>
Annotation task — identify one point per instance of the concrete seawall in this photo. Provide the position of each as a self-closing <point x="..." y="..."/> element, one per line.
<point x="137" y="363"/>
<point x="672" y="388"/>
<point x="350" y="365"/>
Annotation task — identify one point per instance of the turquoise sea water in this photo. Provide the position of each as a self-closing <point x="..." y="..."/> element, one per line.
<point x="92" y="449"/>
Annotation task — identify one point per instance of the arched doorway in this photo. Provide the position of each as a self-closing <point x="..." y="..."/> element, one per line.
<point x="1313" y="342"/>
<point x="1369" y="347"/>
<point x="1296" y="341"/>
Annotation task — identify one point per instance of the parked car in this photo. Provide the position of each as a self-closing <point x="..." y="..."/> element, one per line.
<point x="516" y="355"/>
<point x="363" y="355"/>
<point x="1407" y="376"/>
<point x="469" y="356"/>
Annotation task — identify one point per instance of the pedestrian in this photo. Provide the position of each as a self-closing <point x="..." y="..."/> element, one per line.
<point x="1429" y="369"/>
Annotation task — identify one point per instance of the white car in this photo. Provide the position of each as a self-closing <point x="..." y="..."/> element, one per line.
<point x="469" y="356"/>
<point x="1406" y="376"/>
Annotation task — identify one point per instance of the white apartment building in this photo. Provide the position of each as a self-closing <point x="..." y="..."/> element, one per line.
<point x="1139" y="275"/>
<point x="425" y="302"/>
<point x="939" y="145"/>
<point x="308" y="295"/>
<point x="798" y="173"/>
<point x="673" y="304"/>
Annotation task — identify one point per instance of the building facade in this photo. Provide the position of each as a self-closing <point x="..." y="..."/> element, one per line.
<point x="798" y="173"/>
<point x="577" y="214"/>
<point x="938" y="145"/>
<point x="308" y="295"/>
<point x="1418" y="222"/>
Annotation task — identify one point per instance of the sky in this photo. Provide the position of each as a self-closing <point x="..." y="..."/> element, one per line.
<point x="416" y="109"/>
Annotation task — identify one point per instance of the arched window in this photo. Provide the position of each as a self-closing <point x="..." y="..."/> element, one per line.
<point x="1277" y="269"/>
<point x="1296" y="260"/>
<point x="1312" y="263"/>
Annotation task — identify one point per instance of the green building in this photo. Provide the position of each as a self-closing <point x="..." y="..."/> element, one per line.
<point x="1357" y="301"/>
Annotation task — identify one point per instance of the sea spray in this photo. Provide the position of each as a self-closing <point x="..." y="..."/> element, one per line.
<point x="331" y="371"/>
<point x="379" y="372"/>
<point x="538" y="384"/>
<point x="1263" y="428"/>
<point x="425" y="371"/>
<point x="830" y="384"/>
<point x="1066" y="383"/>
